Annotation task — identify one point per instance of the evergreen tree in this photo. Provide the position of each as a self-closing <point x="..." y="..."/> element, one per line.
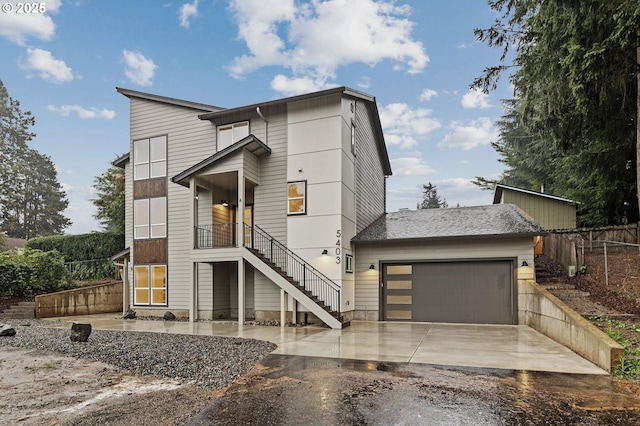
<point x="431" y="199"/>
<point x="111" y="199"/>
<point x="31" y="199"/>
<point x="575" y="72"/>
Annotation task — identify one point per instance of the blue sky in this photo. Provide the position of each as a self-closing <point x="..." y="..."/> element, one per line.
<point x="417" y="57"/>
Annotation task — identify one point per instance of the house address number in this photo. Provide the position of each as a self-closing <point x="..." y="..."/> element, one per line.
<point x="338" y="245"/>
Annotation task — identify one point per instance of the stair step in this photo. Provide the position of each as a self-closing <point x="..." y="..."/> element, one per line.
<point x="557" y="286"/>
<point x="569" y="294"/>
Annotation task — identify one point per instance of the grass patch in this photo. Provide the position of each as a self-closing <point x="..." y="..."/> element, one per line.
<point x="627" y="334"/>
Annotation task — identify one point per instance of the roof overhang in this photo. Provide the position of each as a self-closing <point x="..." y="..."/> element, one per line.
<point x="449" y="238"/>
<point x="251" y="144"/>
<point x="121" y="161"/>
<point x="501" y="187"/>
<point x="166" y="100"/>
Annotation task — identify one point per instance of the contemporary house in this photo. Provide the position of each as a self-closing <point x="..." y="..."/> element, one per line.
<point x="276" y="210"/>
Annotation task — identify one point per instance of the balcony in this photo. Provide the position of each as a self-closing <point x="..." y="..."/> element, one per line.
<point x="215" y="236"/>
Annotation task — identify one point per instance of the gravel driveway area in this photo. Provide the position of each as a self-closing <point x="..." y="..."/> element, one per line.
<point x="115" y="377"/>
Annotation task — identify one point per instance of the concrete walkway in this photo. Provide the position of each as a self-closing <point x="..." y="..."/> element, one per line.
<point x="490" y="346"/>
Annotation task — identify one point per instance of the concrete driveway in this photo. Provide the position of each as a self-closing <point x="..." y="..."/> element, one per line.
<point x="487" y="346"/>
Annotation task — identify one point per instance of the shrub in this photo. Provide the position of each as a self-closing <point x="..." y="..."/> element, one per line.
<point x="31" y="272"/>
<point x="96" y="245"/>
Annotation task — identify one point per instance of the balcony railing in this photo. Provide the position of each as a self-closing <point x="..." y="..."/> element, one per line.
<point x="215" y="236"/>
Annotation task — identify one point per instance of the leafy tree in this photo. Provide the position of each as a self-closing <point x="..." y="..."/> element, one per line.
<point x="31" y="199"/>
<point x="111" y="199"/>
<point x="431" y="199"/>
<point x="575" y="72"/>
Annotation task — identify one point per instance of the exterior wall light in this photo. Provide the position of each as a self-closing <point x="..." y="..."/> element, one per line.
<point x="325" y="252"/>
<point x="372" y="268"/>
<point x="224" y="203"/>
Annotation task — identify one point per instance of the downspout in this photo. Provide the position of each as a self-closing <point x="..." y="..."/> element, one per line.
<point x="266" y="126"/>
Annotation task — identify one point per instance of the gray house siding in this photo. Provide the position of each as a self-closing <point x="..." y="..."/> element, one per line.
<point x="189" y="140"/>
<point x="270" y="202"/>
<point x="370" y="179"/>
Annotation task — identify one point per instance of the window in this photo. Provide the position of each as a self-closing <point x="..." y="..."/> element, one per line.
<point x="150" y="218"/>
<point x="348" y="263"/>
<point x="232" y="133"/>
<point x="150" y="158"/>
<point x="296" y="197"/>
<point x="353" y="137"/>
<point x="150" y="285"/>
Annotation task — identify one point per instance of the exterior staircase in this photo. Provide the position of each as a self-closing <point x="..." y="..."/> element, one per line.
<point x="302" y="281"/>
<point x="557" y="285"/>
<point x="23" y="310"/>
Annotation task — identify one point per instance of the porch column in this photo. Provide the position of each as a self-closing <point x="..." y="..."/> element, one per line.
<point x="294" y="310"/>
<point x="125" y="286"/>
<point x="241" y="292"/>
<point x="193" y="292"/>
<point x="240" y="225"/>
<point x="283" y="307"/>
<point x="193" y="212"/>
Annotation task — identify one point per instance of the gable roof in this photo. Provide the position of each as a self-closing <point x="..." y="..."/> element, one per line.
<point x="500" y="188"/>
<point x="250" y="143"/>
<point x="166" y="100"/>
<point x="492" y="221"/>
<point x="370" y="101"/>
<point x="121" y="161"/>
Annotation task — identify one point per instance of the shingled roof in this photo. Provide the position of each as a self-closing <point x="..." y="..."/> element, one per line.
<point x="493" y="221"/>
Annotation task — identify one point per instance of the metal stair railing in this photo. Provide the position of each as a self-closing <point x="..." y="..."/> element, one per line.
<point x="305" y="275"/>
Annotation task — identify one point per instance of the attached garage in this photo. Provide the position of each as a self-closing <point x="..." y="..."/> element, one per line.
<point x="456" y="265"/>
<point x="471" y="291"/>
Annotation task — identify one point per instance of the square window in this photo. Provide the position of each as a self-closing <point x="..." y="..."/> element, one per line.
<point x="296" y="198"/>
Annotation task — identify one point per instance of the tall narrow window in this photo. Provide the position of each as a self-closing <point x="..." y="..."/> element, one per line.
<point x="141" y="218"/>
<point x="150" y="158"/>
<point x="141" y="285"/>
<point x="353" y="137"/>
<point x="229" y="134"/>
<point x="296" y="198"/>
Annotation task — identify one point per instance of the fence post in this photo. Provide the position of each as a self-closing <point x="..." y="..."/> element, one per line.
<point x="606" y="270"/>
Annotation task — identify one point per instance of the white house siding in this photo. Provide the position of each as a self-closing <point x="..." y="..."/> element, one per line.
<point x="189" y="140"/>
<point x="315" y="156"/>
<point x="370" y="179"/>
<point x="367" y="290"/>
<point x="270" y="200"/>
<point x="348" y="201"/>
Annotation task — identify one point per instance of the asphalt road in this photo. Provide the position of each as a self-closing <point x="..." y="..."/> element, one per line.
<point x="291" y="390"/>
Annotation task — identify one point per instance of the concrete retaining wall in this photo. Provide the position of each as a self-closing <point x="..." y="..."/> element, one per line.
<point x="548" y="315"/>
<point x="95" y="299"/>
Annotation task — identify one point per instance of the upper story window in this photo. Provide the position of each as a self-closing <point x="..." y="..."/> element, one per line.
<point x="150" y="218"/>
<point x="297" y="197"/>
<point x="229" y="134"/>
<point x="150" y="158"/>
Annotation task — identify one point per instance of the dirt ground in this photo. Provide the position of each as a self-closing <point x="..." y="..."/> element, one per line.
<point x="46" y="389"/>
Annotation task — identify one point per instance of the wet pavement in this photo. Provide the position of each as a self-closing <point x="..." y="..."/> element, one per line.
<point x="296" y="390"/>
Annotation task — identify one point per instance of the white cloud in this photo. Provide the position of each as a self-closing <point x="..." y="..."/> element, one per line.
<point x="477" y="133"/>
<point x="410" y="166"/>
<point x="188" y="11"/>
<point x="402" y="125"/>
<point x="293" y="86"/>
<point x="364" y="82"/>
<point x="428" y="94"/>
<point x="475" y="99"/>
<point x="313" y="39"/>
<point x="140" y="70"/>
<point x="18" y="27"/>
<point x="46" y="66"/>
<point x="82" y="112"/>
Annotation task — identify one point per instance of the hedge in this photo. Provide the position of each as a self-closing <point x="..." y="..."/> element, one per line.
<point x="32" y="272"/>
<point x="96" y="245"/>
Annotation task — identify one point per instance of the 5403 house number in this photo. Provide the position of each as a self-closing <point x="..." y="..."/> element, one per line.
<point x="338" y="247"/>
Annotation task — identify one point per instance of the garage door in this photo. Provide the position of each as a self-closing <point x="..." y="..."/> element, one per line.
<point x="474" y="292"/>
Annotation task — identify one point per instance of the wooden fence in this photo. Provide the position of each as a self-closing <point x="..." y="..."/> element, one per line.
<point x="567" y="246"/>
